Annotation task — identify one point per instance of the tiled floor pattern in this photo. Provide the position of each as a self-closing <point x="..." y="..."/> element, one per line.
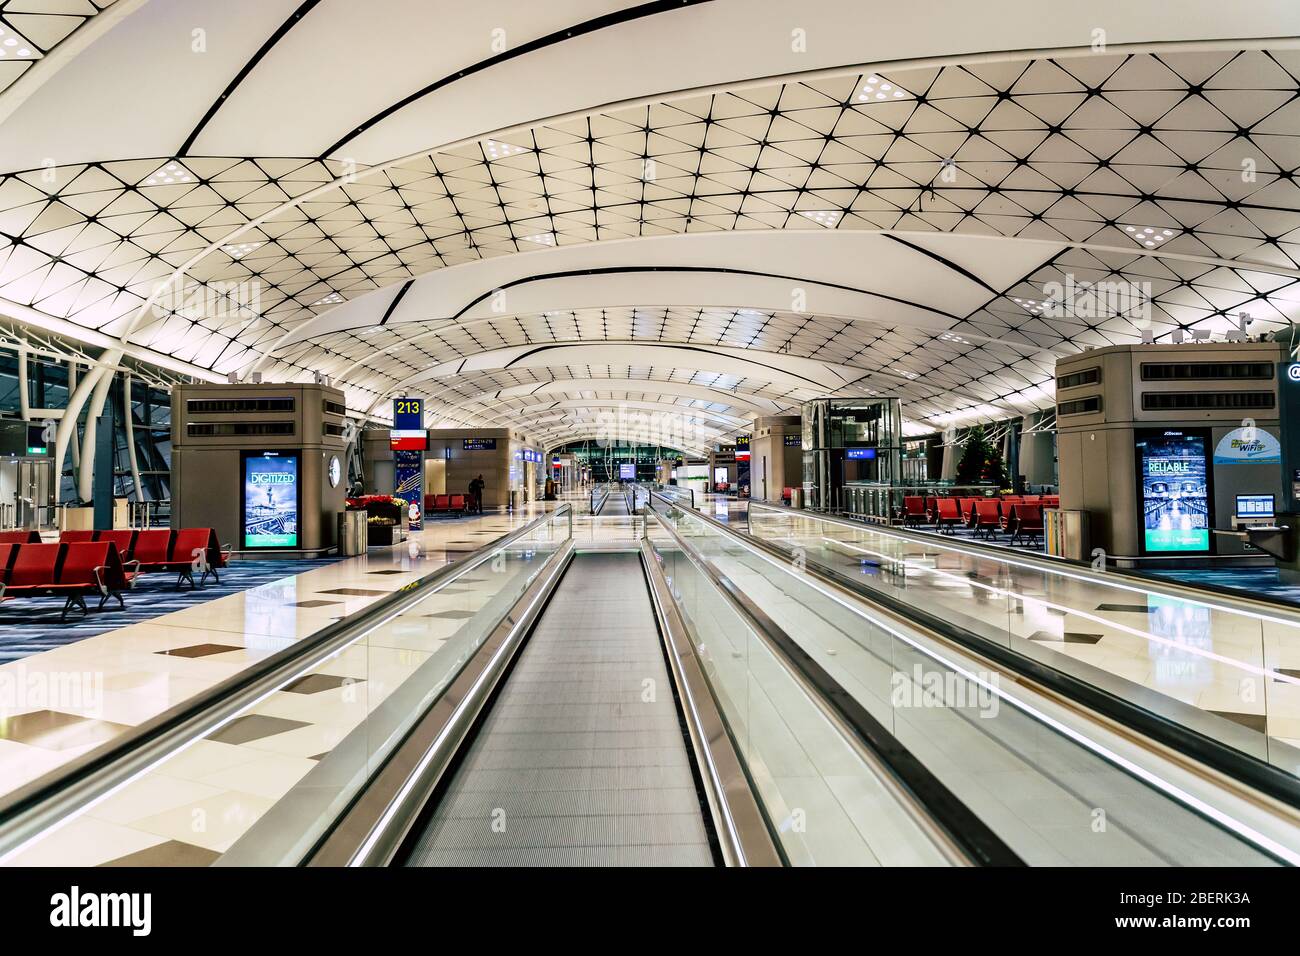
<point x="1229" y="664"/>
<point x="103" y="684"/>
<point x="575" y="765"/>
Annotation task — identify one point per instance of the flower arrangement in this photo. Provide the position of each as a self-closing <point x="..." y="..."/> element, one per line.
<point x="380" y="509"/>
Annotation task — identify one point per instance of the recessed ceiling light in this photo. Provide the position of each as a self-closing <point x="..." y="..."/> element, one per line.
<point x="876" y="89"/>
<point x="542" y="238"/>
<point x="495" y="150"/>
<point x="827" y="217"/>
<point x="332" y="299"/>
<point x="240" y="249"/>
<point x="169" y="175"/>
<point x="1149" y="236"/>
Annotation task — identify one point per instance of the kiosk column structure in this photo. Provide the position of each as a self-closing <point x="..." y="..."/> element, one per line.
<point x="260" y="463"/>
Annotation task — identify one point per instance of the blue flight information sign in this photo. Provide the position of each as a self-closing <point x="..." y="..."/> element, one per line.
<point x="271" y="500"/>
<point x="859" y="453"/>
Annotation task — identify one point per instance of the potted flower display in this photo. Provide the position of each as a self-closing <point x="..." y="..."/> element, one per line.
<point x="385" y="517"/>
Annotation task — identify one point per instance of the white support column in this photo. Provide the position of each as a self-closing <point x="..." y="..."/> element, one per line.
<point x="130" y="436"/>
<point x="78" y="391"/>
<point x="86" y="476"/>
<point x="24" y="396"/>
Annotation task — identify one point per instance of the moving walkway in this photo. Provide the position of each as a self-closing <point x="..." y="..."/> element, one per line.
<point x="687" y="701"/>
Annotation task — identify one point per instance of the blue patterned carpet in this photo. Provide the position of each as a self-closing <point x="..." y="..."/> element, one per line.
<point x="31" y="625"/>
<point x="1257" y="582"/>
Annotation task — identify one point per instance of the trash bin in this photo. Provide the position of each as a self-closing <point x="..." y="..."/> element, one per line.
<point x="796" y="498"/>
<point x="514" y="502"/>
<point x="352" y="533"/>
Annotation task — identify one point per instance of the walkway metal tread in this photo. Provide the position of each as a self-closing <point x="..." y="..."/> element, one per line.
<point x="581" y="761"/>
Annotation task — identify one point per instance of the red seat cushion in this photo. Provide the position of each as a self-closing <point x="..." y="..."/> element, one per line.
<point x="443" y="502"/>
<point x="457" y="503"/>
<point x="154" y="546"/>
<point x="192" y="543"/>
<point x="34" y="566"/>
<point x="68" y="537"/>
<point x="122" y="539"/>
<point x="80" y="561"/>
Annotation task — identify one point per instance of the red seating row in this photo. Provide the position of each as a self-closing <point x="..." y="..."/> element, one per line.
<point x="1021" y="516"/>
<point x="70" y="570"/>
<point x="20" y="537"/>
<point x="444" y="503"/>
<point x="181" y="551"/>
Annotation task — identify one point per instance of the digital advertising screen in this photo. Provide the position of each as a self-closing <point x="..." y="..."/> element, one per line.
<point x="1174" y="491"/>
<point x="271" y="500"/>
<point x="627" y="472"/>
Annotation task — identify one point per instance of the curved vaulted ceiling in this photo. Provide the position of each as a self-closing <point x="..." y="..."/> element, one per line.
<point x="711" y="210"/>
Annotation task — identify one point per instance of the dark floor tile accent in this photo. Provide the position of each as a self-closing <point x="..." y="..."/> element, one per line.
<point x="319" y="756"/>
<point x="171" y="853"/>
<point x="1288" y="672"/>
<point x="315" y="603"/>
<point x="199" y="650"/>
<point x="1128" y="608"/>
<point x="356" y="592"/>
<point x="55" y="730"/>
<point x="1255" y="722"/>
<point x="254" y="727"/>
<point x="452" y="615"/>
<point x="315" y="683"/>
<point x="388" y="571"/>
<point x="1069" y="637"/>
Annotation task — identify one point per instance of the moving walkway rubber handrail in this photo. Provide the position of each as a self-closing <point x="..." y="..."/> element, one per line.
<point x="372" y="829"/>
<point x="957" y="832"/>
<point x="32" y="809"/>
<point x="744" y="831"/>
<point x="1185" y="740"/>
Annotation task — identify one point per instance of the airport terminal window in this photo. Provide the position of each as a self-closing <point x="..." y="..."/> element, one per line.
<point x="1087" y="376"/>
<point x="334" y="430"/>
<point x="228" y="429"/>
<point x="1079" y="406"/>
<point x="1164" y="371"/>
<point x="222" y="406"/>
<point x="335" y="408"/>
<point x="1170" y="401"/>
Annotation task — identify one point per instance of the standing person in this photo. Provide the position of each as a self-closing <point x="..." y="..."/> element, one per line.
<point x="476" y="494"/>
